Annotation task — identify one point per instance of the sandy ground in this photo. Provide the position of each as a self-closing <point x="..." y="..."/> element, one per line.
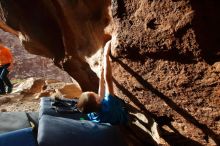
<point x="17" y="102"/>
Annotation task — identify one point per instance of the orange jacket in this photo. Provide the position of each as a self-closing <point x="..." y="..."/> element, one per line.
<point x="5" y="56"/>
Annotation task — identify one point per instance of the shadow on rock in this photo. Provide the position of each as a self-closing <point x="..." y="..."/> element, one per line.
<point x="206" y="26"/>
<point x="204" y="128"/>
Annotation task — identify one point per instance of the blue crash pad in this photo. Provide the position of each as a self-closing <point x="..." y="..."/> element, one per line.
<point x="22" y="137"/>
<point x="58" y="131"/>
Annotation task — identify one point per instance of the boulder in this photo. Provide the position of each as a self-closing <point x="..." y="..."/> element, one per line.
<point x="39" y="87"/>
<point x="30" y="86"/>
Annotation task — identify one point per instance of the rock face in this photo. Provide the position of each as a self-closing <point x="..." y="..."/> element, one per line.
<point x="181" y="31"/>
<point x="65" y="31"/>
<point x="166" y="60"/>
<point x="165" y="56"/>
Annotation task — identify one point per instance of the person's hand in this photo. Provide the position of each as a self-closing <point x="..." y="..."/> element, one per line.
<point x="107" y="48"/>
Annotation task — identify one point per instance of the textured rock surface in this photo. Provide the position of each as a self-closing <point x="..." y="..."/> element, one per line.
<point x="65" y="31"/>
<point x="166" y="63"/>
<point x="165" y="56"/>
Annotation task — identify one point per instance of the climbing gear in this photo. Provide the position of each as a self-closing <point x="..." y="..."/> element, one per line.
<point x="65" y="106"/>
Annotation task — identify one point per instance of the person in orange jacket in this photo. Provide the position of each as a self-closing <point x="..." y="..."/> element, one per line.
<point x="6" y="59"/>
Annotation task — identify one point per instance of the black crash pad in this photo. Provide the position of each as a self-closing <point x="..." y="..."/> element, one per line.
<point x="47" y="109"/>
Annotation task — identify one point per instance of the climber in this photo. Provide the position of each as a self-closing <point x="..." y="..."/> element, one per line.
<point x="5" y="64"/>
<point x="104" y="107"/>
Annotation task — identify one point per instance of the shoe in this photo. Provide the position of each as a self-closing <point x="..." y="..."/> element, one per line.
<point x="9" y="89"/>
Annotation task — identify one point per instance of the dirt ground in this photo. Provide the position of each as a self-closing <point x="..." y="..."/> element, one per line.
<point x="15" y="103"/>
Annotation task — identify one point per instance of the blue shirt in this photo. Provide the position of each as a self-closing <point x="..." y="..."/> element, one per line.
<point x="112" y="111"/>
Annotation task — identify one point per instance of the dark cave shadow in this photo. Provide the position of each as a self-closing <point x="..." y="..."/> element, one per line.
<point x="120" y="9"/>
<point x="206" y="25"/>
<point x="83" y="74"/>
<point x="169" y="55"/>
<point x="163" y="120"/>
<point x="204" y="128"/>
<point x="137" y="132"/>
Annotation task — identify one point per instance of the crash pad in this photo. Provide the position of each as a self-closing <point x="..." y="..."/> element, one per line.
<point x="21" y="137"/>
<point x="59" y="131"/>
<point x="10" y="121"/>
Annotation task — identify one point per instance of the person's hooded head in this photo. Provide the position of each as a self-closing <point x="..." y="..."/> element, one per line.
<point x="89" y="102"/>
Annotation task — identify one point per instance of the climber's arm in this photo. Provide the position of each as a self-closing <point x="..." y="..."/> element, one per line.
<point x="101" y="84"/>
<point x="108" y="69"/>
